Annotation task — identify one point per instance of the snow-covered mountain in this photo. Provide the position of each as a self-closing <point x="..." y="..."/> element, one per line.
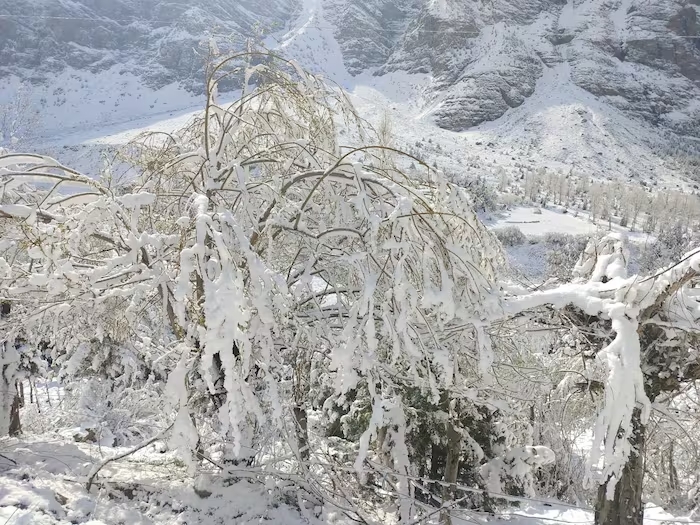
<point x="160" y="41"/>
<point x="487" y="55"/>
<point x="606" y="86"/>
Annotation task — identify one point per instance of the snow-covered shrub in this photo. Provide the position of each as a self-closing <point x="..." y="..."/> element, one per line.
<point x="483" y="196"/>
<point x="563" y="418"/>
<point x="510" y="236"/>
<point x="547" y="365"/>
<point x="517" y="464"/>
<point x="116" y="419"/>
<point x="563" y="252"/>
<point x="669" y="246"/>
<point x="19" y="120"/>
<point x="673" y="456"/>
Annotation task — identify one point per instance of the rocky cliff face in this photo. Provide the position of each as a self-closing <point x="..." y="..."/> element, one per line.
<point x="368" y="31"/>
<point x="487" y="56"/>
<point x="161" y="41"/>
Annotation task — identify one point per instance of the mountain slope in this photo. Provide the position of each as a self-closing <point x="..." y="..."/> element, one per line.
<point x="605" y="87"/>
<point x="486" y="56"/>
<point x="540" y="83"/>
<point x="160" y="41"/>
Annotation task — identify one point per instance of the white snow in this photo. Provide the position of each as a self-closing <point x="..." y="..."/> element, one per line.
<point x="152" y="488"/>
<point x="310" y="41"/>
<point x="48" y="487"/>
<point x="536" y="222"/>
<point x="76" y="101"/>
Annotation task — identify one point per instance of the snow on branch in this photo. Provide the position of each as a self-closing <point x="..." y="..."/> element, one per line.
<point x="257" y="243"/>
<point x="603" y="290"/>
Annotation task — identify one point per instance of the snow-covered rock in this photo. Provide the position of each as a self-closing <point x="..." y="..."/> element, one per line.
<point x="486" y="57"/>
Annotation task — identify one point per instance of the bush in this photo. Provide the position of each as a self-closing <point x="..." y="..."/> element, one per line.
<point x="670" y="246"/>
<point x="563" y="251"/>
<point x="510" y="236"/>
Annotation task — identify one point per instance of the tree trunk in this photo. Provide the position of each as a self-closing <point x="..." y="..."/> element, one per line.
<point x="302" y="426"/>
<point x="626" y="508"/>
<point x="383" y="447"/>
<point x="302" y="385"/>
<point x="9" y="395"/>
<point x="454" y="449"/>
<point x="15" y="424"/>
<point x="20" y="385"/>
<point x="672" y="472"/>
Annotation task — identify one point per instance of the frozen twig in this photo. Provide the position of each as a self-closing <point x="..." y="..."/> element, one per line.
<point x="105" y="462"/>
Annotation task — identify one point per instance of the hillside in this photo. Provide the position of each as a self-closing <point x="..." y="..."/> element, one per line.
<point x="607" y="88"/>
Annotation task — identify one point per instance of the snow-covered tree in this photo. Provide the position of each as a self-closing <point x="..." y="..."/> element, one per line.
<point x="636" y="201"/>
<point x="251" y="257"/>
<point x="19" y="119"/>
<point x="651" y="355"/>
<point x="257" y="276"/>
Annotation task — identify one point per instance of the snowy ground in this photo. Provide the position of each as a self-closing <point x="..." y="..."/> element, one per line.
<point x="43" y="479"/>
<point x="42" y="482"/>
<point x="535" y="221"/>
<point x="530" y="258"/>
